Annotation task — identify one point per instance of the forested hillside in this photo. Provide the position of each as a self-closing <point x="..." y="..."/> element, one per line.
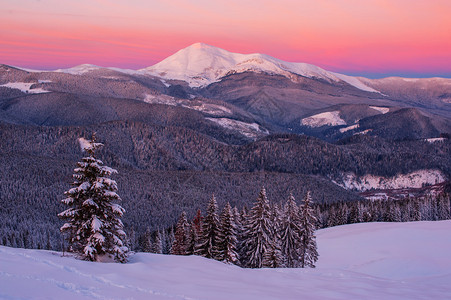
<point x="165" y="170"/>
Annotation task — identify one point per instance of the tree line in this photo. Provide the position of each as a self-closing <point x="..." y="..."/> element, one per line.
<point x="267" y="235"/>
<point x="427" y="208"/>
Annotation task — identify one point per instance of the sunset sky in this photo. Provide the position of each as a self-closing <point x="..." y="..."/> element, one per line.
<point x="373" y="38"/>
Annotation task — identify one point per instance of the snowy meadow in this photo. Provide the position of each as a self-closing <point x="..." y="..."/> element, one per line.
<point x="358" y="261"/>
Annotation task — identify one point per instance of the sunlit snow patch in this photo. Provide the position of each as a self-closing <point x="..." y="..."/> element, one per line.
<point x="165" y="83"/>
<point x="412" y="180"/>
<point x="382" y="110"/>
<point x="161" y="99"/>
<point x="363" y="132"/>
<point x="250" y="130"/>
<point x="352" y="127"/>
<point x="435" y="140"/>
<point x="84" y="144"/>
<point x="212" y="109"/>
<point x="79" y="70"/>
<point x="355" y="82"/>
<point x="24" y="87"/>
<point x="330" y="118"/>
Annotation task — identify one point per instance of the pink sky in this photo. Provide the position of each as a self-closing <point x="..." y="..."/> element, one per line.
<point x="368" y="37"/>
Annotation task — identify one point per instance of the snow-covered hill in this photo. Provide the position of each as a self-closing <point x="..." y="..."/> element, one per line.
<point x="201" y="65"/>
<point x="80" y="69"/>
<point x="359" y="261"/>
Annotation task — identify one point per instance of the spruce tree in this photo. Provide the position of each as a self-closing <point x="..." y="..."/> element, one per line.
<point x="195" y="232"/>
<point x="147" y="241"/>
<point x="157" y="245"/>
<point x="258" y="232"/>
<point x="291" y="233"/>
<point x="273" y="258"/>
<point x="309" y="252"/>
<point x="180" y="243"/>
<point x="415" y="211"/>
<point x="443" y="207"/>
<point x="93" y="226"/>
<point x="240" y="222"/>
<point x="193" y="239"/>
<point x="355" y="213"/>
<point x="210" y="227"/>
<point x="226" y="239"/>
<point x="170" y="236"/>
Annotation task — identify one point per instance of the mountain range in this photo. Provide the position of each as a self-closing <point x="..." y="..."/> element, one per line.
<point x="251" y="95"/>
<point x="205" y="121"/>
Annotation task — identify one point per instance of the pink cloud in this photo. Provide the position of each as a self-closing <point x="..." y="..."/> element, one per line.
<point x="371" y="36"/>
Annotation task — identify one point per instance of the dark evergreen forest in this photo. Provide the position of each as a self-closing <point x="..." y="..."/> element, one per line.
<point x="166" y="170"/>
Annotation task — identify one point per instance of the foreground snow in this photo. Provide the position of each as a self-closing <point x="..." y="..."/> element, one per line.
<point x="360" y="261"/>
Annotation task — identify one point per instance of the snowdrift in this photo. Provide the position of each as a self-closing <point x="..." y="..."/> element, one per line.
<point x="359" y="261"/>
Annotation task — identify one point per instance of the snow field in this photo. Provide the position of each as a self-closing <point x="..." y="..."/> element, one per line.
<point x="330" y="118"/>
<point x="413" y="180"/>
<point x="24" y="87"/>
<point x="359" y="261"/>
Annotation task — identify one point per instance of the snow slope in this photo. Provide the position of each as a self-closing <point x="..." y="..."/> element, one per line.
<point x="352" y="127"/>
<point x="330" y="118"/>
<point x="359" y="261"/>
<point x="80" y="69"/>
<point x="382" y="110"/>
<point x="201" y="65"/>
<point x="24" y="87"/>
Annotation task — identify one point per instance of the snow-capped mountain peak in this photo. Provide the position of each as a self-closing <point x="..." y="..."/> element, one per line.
<point x="80" y="69"/>
<point x="201" y="64"/>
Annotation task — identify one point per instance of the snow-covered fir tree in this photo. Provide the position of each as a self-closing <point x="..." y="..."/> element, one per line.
<point x="273" y="258"/>
<point x="93" y="226"/>
<point x="227" y="241"/>
<point x="258" y="232"/>
<point x="195" y="232"/>
<point x="291" y="233"/>
<point x="443" y="207"/>
<point x="147" y="241"/>
<point x="193" y="239"/>
<point x="168" y="240"/>
<point x="242" y="222"/>
<point x="355" y="213"/>
<point x="415" y="211"/>
<point x="180" y="244"/>
<point x="157" y="245"/>
<point x="309" y="252"/>
<point x="210" y="227"/>
<point x="197" y="222"/>
<point x="392" y="212"/>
